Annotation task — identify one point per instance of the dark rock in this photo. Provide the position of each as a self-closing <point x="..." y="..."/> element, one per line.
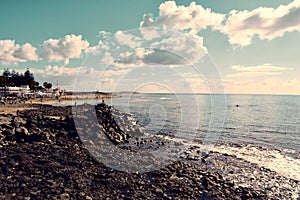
<point x="47" y="159"/>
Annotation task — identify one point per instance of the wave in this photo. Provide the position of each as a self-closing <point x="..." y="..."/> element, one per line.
<point x="276" y="160"/>
<point x="285" y="162"/>
<point x="164" y="98"/>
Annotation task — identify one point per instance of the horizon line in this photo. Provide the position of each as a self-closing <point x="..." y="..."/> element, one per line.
<point x="184" y="93"/>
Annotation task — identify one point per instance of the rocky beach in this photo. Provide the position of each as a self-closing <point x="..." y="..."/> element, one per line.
<point x="43" y="156"/>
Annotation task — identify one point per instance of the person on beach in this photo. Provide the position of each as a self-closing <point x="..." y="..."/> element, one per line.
<point x="102" y="103"/>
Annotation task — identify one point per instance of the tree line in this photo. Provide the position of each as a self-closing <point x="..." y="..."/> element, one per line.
<point x="13" y="78"/>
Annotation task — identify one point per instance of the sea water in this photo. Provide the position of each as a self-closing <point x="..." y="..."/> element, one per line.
<point x="270" y="120"/>
<point x="262" y="129"/>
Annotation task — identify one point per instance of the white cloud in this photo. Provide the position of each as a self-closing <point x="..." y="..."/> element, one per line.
<point x="154" y="88"/>
<point x="240" y="26"/>
<point x="104" y="34"/>
<point x="260" y="68"/>
<point x="11" y="53"/>
<point x="129" y="49"/>
<point x="193" y="17"/>
<point x="149" y="56"/>
<point x="251" y="74"/>
<point x="127" y="39"/>
<point x="131" y="59"/>
<point x="265" y="86"/>
<point x="266" y="23"/>
<point x="56" y="70"/>
<point x="107" y="59"/>
<point x="71" y="46"/>
<point x="257" y="71"/>
<point x="26" y="52"/>
<point x="80" y="78"/>
<point x="169" y="49"/>
<point x="113" y="73"/>
<point x="150" y="33"/>
<point x="107" y="84"/>
<point x="188" y="46"/>
<point x="197" y="84"/>
<point x="83" y="71"/>
<point x="98" y="49"/>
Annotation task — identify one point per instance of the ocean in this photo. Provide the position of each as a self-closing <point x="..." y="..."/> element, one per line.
<point x="261" y="129"/>
<point x="269" y="120"/>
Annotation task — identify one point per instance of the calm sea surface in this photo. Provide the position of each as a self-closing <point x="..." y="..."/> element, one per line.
<point x="262" y="129"/>
<point x="265" y="120"/>
<point x="269" y="120"/>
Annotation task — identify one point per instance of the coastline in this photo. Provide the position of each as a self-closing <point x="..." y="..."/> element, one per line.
<point x="42" y="156"/>
<point x="70" y="99"/>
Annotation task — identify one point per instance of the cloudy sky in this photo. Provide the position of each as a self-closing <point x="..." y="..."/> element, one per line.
<point x="234" y="46"/>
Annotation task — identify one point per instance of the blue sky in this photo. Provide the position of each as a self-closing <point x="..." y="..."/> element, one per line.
<point x="255" y="48"/>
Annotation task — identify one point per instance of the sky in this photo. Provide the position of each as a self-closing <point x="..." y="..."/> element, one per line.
<point x="204" y="46"/>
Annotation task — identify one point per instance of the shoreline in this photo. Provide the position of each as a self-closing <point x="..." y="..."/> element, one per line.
<point x="43" y="151"/>
<point x="70" y="98"/>
<point x="59" y="99"/>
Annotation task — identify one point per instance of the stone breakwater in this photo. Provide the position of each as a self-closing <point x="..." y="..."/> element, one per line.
<point x="43" y="157"/>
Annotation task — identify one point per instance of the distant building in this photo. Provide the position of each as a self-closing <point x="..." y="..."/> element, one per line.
<point x="58" y="91"/>
<point x="9" y="89"/>
<point x="15" y="90"/>
<point x="24" y="88"/>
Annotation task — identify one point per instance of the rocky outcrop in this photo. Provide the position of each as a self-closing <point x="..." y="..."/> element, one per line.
<point x="43" y="157"/>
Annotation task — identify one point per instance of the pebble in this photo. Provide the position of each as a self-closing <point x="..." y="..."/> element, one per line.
<point x="65" y="196"/>
<point x="60" y="165"/>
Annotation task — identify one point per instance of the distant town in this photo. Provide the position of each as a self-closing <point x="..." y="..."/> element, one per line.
<point x="15" y="86"/>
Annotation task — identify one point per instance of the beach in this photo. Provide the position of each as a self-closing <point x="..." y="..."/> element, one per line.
<point x="150" y="100"/>
<point x="44" y="157"/>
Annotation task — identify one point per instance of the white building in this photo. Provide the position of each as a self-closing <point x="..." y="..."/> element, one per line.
<point x="24" y="88"/>
<point x="21" y="89"/>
